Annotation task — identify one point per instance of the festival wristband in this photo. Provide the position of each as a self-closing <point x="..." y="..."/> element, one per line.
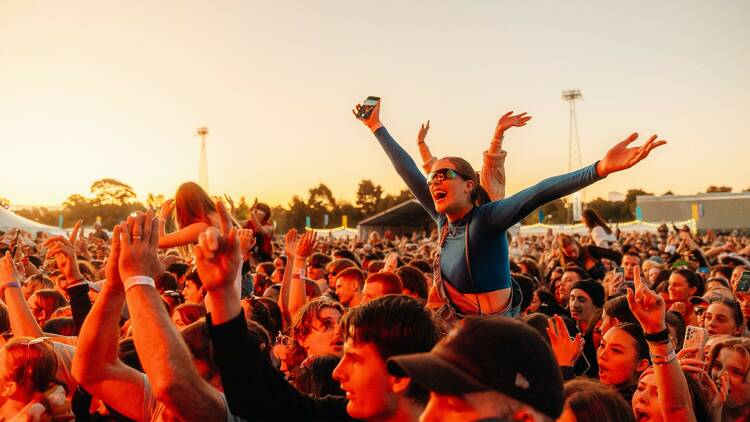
<point x="299" y="274"/>
<point x="664" y="359"/>
<point x="139" y="280"/>
<point x="79" y="282"/>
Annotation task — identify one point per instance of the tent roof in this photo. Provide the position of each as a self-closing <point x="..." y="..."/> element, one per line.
<point x="10" y="220"/>
<point x="407" y="214"/>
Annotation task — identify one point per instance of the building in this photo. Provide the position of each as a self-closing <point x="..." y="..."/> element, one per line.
<point x="717" y="211"/>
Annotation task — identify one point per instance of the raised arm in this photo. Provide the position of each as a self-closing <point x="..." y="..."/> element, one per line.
<point x="492" y="175"/>
<point x="674" y="395"/>
<point x="402" y="162"/>
<point x="297" y="293"/>
<point x="22" y="321"/>
<point x="161" y="349"/>
<point x="96" y="365"/>
<point x="501" y="215"/>
<point x="424" y="151"/>
<point x="290" y="248"/>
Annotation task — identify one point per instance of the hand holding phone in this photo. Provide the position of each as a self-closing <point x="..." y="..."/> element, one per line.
<point x="743" y="284"/>
<point x="695" y="337"/>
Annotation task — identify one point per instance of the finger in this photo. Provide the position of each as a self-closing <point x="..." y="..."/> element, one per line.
<point x="148" y="221"/>
<point x="508" y="114"/>
<point x="203" y="243"/>
<point x="138" y="226"/>
<point x="629" y="140"/>
<point x="155" y="231"/>
<point x="551" y="327"/>
<point x="637" y="277"/>
<point x="428" y="125"/>
<point x="551" y="334"/>
<point x="126" y="233"/>
<point x="212" y="238"/>
<point x="198" y="252"/>
<point x="74" y="232"/>
<point x="116" y="238"/>
<point x="225" y="219"/>
<point x="58" y="239"/>
<point x="631" y="300"/>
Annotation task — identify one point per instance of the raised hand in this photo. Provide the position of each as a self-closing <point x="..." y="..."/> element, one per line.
<point x="307" y="244"/>
<point x="373" y="121"/>
<point x="567" y="350"/>
<point x="509" y="120"/>
<point x="217" y="254"/>
<point x="620" y="157"/>
<point x="391" y="262"/>
<point x="112" y="268"/>
<point x="647" y="306"/>
<point x="290" y="243"/>
<point x="423" y="129"/>
<point x="247" y="241"/>
<point x="62" y="249"/>
<point x="139" y="246"/>
<point x="8" y="271"/>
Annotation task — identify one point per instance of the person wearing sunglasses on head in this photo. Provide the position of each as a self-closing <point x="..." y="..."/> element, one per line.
<point x="472" y="269"/>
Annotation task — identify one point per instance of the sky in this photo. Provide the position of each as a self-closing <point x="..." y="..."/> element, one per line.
<point x="92" y="90"/>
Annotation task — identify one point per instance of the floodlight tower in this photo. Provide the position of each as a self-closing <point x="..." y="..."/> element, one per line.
<point x="574" y="147"/>
<point x="203" y="177"/>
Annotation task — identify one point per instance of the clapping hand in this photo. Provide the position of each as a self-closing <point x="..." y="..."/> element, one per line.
<point x="307" y="244"/>
<point x="247" y="241"/>
<point x="620" y="157"/>
<point x="217" y="254"/>
<point x="62" y="250"/>
<point x="290" y="243"/>
<point x="8" y="271"/>
<point x="647" y="306"/>
<point x="139" y="246"/>
<point x="509" y="120"/>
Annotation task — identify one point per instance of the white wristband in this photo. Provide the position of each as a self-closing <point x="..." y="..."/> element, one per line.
<point x="136" y="280"/>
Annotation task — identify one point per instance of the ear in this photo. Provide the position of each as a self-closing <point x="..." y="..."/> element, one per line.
<point x="642" y="365"/>
<point x="398" y="384"/>
<point x="8" y="388"/>
<point x="43" y="315"/>
<point x="469" y="186"/>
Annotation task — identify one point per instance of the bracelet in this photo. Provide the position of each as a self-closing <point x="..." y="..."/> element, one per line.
<point x="299" y="274"/>
<point x="664" y="359"/>
<point x="659" y="337"/>
<point x="139" y="280"/>
<point x="76" y="283"/>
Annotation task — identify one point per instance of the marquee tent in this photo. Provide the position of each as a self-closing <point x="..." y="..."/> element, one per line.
<point x="10" y="220"/>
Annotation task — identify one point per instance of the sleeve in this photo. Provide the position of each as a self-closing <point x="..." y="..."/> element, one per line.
<point x="499" y="215"/>
<point x="408" y="170"/>
<point x="254" y="389"/>
<point x="80" y="304"/>
<point x="492" y="176"/>
<point x="599" y="253"/>
<point x="427" y="165"/>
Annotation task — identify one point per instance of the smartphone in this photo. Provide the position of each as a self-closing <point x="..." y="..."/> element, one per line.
<point x="620" y="270"/>
<point x="15" y="244"/>
<point x="703" y="270"/>
<point x="695" y="337"/>
<point x="367" y="106"/>
<point x="743" y="284"/>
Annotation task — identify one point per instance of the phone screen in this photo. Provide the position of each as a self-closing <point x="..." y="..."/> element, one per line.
<point x="371" y="101"/>
<point x="620" y="270"/>
<point x="743" y="285"/>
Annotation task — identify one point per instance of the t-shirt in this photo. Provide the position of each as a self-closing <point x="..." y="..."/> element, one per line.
<point x="154" y="410"/>
<point x="601" y="238"/>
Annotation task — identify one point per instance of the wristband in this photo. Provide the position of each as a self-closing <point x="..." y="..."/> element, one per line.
<point x="659" y="337"/>
<point x="139" y="280"/>
<point x="11" y="284"/>
<point x="299" y="274"/>
<point x="76" y="283"/>
<point x="664" y="359"/>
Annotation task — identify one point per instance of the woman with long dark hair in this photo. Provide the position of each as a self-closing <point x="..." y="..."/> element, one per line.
<point x="472" y="273"/>
<point x="195" y="212"/>
<point x="599" y="231"/>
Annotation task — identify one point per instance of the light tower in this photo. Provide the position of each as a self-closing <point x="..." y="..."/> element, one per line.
<point x="574" y="147"/>
<point x="203" y="176"/>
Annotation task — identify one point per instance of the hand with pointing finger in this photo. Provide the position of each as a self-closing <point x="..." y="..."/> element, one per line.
<point x="647" y="306"/>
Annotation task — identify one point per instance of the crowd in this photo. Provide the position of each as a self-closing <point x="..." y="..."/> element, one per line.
<point x="223" y="320"/>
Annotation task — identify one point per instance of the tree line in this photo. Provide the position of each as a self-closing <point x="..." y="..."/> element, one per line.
<point x="110" y="201"/>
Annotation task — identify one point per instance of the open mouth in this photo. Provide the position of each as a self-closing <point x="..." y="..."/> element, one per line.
<point x="641" y="416"/>
<point x="439" y="195"/>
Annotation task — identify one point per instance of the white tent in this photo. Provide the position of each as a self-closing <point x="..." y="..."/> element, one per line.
<point x="338" y="232"/>
<point x="10" y="220"/>
<point x="580" y="229"/>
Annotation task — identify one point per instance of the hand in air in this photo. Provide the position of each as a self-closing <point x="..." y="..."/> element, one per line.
<point x="647" y="306"/>
<point x="509" y="120"/>
<point x="373" y="121"/>
<point x="217" y="254"/>
<point x="423" y="129"/>
<point x="139" y="246"/>
<point x="62" y="250"/>
<point x="620" y="157"/>
<point x="567" y="350"/>
<point x="307" y="244"/>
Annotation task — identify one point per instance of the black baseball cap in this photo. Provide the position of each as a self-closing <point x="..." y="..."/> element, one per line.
<point x="489" y="354"/>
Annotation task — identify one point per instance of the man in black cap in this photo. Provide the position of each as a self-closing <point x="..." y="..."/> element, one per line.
<point x="487" y="369"/>
<point x="586" y="297"/>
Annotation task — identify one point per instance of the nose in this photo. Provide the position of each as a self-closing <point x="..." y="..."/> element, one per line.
<point x="338" y="372"/>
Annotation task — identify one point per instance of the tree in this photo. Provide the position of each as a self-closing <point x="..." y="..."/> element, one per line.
<point x="154" y="202"/>
<point x="112" y="192"/>
<point x="321" y="198"/>
<point x="393" y="200"/>
<point x="717" y="189"/>
<point x="612" y="211"/>
<point x="369" y="196"/>
<point x="555" y="212"/>
<point x="630" y="198"/>
<point x="669" y="192"/>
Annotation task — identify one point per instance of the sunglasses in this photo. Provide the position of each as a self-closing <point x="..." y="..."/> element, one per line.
<point x="441" y="174"/>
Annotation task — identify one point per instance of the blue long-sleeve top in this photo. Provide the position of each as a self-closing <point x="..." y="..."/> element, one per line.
<point x="488" y="244"/>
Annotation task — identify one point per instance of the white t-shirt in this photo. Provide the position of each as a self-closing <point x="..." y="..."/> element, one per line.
<point x="154" y="410"/>
<point x="601" y="238"/>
